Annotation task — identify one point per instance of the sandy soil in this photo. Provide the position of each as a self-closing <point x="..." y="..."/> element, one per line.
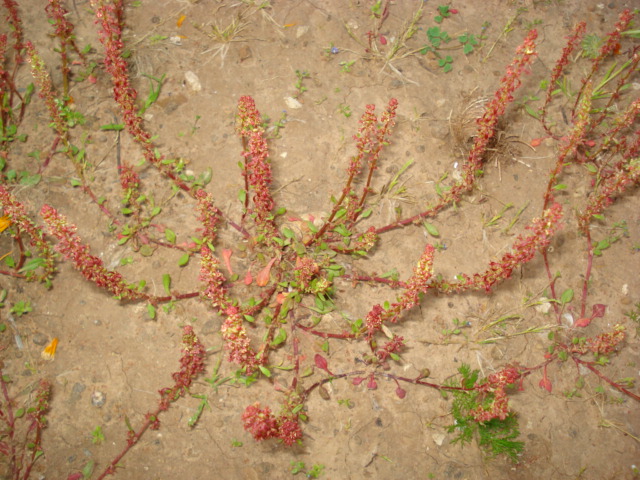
<point x="582" y="429"/>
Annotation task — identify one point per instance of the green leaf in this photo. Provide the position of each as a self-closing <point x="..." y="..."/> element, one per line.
<point x="30" y="180"/>
<point x="75" y="182"/>
<point x="166" y="283"/>
<point x="341" y="213"/>
<point x="279" y="338"/>
<point x="366" y="213"/>
<point x="112" y="126"/>
<point x="184" y="259"/>
<point x="170" y="235"/>
<point x="287" y="232"/>
<point x="151" y="311"/>
<point x="87" y="470"/>
<point x="249" y="318"/>
<point x="560" y="186"/>
<point x="265" y="371"/>
<point x="242" y="196"/>
<point x="566" y="296"/>
<point x="432" y="230"/>
<point x="33" y="264"/>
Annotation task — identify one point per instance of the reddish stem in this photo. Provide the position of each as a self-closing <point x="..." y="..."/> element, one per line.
<point x="615" y="385"/>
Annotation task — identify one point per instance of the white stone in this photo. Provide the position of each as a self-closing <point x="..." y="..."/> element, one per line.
<point x="192" y="81"/>
<point x="292" y="103"/>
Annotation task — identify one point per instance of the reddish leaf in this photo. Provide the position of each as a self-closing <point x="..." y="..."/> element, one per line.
<point x="321" y="362"/>
<point x="401" y="393"/>
<point x="598" y="310"/>
<point x="357" y="380"/>
<point x="383" y="41"/>
<point x="582" y="322"/>
<point x="75" y="476"/>
<point x="263" y="277"/>
<point x="545" y="383"/>
<point x="536" y="142"/>
<point x="248" y="278"/>
<point x="371" y="384"/>
<point x="226" y="256"/>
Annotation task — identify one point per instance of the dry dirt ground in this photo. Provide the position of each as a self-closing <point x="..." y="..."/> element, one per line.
<point x="583" y="429"/>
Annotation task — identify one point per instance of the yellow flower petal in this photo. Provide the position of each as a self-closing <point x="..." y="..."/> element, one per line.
<point x="4" y="223"/>
<point x="49" y="351"/>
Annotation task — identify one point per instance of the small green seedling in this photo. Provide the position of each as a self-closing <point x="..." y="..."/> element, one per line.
<point x="446" y="63"/>
<point x="97" y="436"/>
<point x="345" y="110"/>
<point x="301" y="75"/>
<point x="468" y="41"/>
<point x="346" y="66"/>
<point x="21" y="308"/>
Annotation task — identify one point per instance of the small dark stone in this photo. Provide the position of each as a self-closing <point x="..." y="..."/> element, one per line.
<point x="76" y="392"/>
<point x="155" y="19"/>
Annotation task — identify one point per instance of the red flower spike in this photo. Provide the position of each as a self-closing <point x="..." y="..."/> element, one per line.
<point x="598" y="310"/>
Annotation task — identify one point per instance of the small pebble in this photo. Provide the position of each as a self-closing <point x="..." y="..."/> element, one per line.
<point x="292" y="103"/>
<point x="192" y="81"/>
<point x="98" y="399"/>
<point x="40" y="339"/>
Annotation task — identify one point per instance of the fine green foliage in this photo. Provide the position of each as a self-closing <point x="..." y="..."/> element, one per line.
<point x="494" y="437"/>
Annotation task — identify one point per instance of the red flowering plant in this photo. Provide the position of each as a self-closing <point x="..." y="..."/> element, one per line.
<point x="21" y="429"/>
<point x="39" y="268"/>
<point x="294" y="269"/>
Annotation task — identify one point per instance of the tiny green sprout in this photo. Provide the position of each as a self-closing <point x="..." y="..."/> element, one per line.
<point x="446" y="63"/>
<point x="468" y="41"/>
<point x="297" y="467"/>
<point x="346" y="66"/>
<point x="344" y="109"/>
<point x="301" y="75"/>
<point x="21" y="308"/>
<point x="97" y="436"/>
<point x="444" y="11"/>
<point x="236" y="443"/>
